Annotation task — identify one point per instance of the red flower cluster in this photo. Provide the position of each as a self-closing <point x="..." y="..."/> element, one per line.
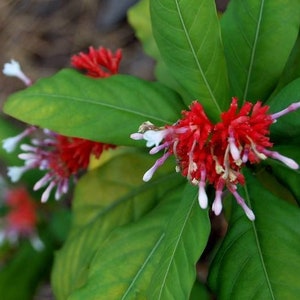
<point x="214" y="154"/>
<point x="21" y="219"/>
<point x="63" y="157"/>
<point x="98" y="63"/>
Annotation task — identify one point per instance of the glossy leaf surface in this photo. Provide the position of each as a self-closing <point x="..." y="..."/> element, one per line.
<point x="287" y="128"/>
<point x="258" y="38"/>
<point x="127" y="263"/>
<point x="108" y="197"/>
<point x="106" y="110"/>
<point x="257" y="259"/>
<point x="188" y="36"/>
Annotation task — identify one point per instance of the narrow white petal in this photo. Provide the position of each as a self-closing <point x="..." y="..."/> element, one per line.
<point x="202" y="196"/>
<point x="217" y="204"/>
<point x="46" y="194"/>
<point x="15" y="173"/>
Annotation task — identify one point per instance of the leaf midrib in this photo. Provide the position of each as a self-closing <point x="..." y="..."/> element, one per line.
<point x="253" y="51"/>
<point x="259" y="247"/>
<point x="90" y="101"/>
<point x="156" y="246"/>
<point x="171" y="258"/>
<point x="195" y="56"/>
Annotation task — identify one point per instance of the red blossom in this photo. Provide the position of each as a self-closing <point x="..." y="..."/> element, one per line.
<point x="215" y="154"/>
<point x="98" y="63"/>
<point x="72" y="155"/>
<point x="22" y="217"/>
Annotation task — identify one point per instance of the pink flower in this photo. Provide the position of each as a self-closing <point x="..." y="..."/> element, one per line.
<point x="98" y="63"/>
<point x="215" y="154"/>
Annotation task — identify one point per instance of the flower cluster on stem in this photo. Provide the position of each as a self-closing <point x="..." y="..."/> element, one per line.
<point x="208" y="153"/>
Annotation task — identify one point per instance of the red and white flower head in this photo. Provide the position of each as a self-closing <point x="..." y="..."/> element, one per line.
<point x="215" y="154"/>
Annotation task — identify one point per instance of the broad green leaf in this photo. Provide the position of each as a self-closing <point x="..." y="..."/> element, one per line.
<point x="257" y="260"/>
<point x="287" y="128"/>
<point x="139" y="18"/>
<point x="20" y="279"/>
<point x="135" y="254"/>
<point x="106" y="110"/>
<point x="199" y="292"/>
<point x="106" y="198"/>
<point x="291" y="70"/>
<point x="186" y="237"/>
<point x="188" y="36"/>
<point x="258" y="38"/>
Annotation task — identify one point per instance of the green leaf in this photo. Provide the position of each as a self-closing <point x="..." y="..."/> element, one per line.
<point x="199" y="292"/>
<point x="107" y="198"/>
<point x="106" y="110"/>
<point x="287" y="128"/>
<point x="174" y="234"/>
<point x="186" y="237"/>
<point x="139" y="18"/>
<point x="18" y="280"/>
<point x="188" y="36"/>
<point x="291" y="70"/>
<point x="258" y="39"/>
<point x="257" y="259"/>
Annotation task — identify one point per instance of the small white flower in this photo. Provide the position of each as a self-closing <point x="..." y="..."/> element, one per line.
<point x="37" y="243"/>
<point x="217" y="204"/>
<point x="286" y="160"/>
<point x="234" y="151"/>
<point x="202" y="196"/>
<point x="154" y="137"/>
<point x="46" y="193"/>
<point x="15" y="173"/>
<point x="13" y="69"/>
<point x="148" y="175"/>
<point x="10" y="144"/>
<point x="2" y="237"/>
<point x="137" y="136"/>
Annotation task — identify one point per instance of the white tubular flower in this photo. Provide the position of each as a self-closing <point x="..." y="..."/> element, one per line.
<point x="11" y="143"/>
<point x="37" y="243"/>
<point x="13" y="69"/>
<point x="15" y="173"/>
